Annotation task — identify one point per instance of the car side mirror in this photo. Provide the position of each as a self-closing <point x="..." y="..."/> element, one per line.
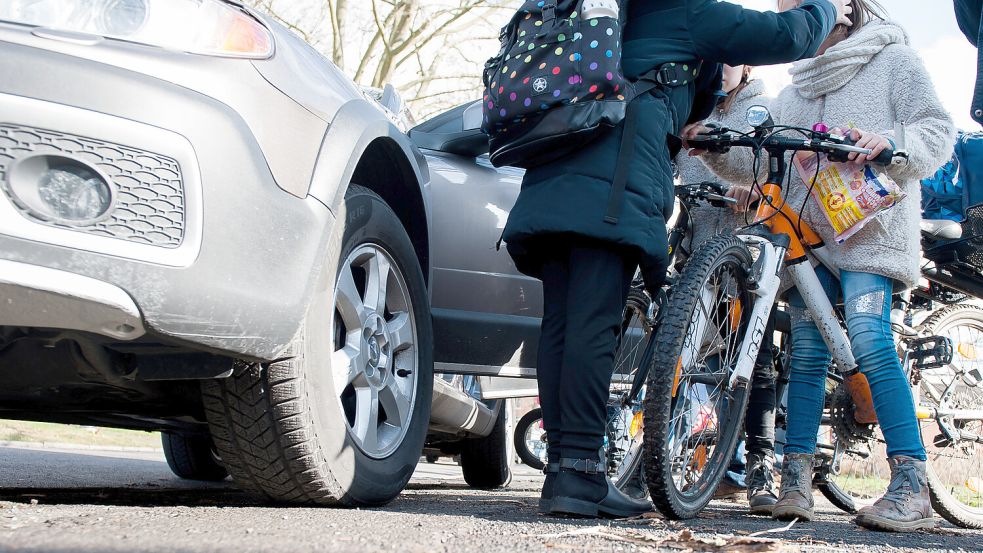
<point x="472" y="117"/>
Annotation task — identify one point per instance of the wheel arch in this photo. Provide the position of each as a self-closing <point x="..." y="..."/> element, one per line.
<point x="362" y="146"/>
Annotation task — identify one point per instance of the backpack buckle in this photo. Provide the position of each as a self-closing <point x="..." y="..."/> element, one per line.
<point x="549" y="13"/>
<point x="667" y="76"/>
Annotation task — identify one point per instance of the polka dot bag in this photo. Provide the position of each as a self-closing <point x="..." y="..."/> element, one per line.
<point x="555" y="83"/>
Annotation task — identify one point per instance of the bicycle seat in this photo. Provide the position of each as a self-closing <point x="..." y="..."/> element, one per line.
<point x="942" y="229"/>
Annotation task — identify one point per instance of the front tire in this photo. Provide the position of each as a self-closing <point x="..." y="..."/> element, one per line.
<point x="692" y="420"/>
<point x="530" y="439"/>
<point x="341" y="419"/>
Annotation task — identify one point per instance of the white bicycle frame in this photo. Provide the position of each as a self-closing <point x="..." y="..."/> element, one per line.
<point x="768" y="281"/>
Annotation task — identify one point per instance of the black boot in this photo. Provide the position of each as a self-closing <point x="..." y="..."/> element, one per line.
<point x="583" y="489"/>
<point x="551" y="469"/>
<point x="761" y="493"/>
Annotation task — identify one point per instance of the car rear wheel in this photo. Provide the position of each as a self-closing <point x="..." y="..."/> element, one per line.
<point x="192" y="457"/>
<point x="485" y="460"/>
<point x="342" y="417"/>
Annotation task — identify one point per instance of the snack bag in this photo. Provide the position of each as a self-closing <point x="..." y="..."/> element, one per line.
<point x="848" y="194"/>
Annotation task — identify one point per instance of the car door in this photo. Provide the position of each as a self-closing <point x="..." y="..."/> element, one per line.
<point x="486" y="314"/>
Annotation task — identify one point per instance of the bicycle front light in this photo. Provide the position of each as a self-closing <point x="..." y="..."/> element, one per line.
<point x="207" y="27"/>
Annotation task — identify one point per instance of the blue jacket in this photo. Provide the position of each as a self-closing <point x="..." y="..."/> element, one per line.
<point x="569" y="196"/>
<point x="968" y="14"/>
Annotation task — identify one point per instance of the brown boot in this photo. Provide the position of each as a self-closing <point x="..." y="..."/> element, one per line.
<point x="761" y="496"/>
<point x="905" y="506"/>
<point x="795" y="499"/>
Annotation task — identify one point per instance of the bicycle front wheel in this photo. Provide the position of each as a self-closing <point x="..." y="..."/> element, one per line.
<point x="530" y="439"/>
<point x="692" y="418"/>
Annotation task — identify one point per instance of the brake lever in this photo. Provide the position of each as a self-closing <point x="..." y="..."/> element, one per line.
<point x="718" y="198"/>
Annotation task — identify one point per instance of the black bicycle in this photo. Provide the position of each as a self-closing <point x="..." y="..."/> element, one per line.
<point x="633" y="356"/>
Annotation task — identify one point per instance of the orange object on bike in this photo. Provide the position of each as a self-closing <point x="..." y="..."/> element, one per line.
<point x="780" y="218"/>
<point x="859" y="390"/>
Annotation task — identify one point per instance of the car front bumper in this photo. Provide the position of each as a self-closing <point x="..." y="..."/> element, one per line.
<point x="238" y="279"/>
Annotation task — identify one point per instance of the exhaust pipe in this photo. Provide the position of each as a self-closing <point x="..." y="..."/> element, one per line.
<point x="454" y="411"/>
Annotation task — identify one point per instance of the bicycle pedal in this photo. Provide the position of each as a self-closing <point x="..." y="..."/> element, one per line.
<point x="931" y="352"/>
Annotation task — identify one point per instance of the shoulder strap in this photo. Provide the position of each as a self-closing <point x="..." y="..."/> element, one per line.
<point x="668" y="75"/>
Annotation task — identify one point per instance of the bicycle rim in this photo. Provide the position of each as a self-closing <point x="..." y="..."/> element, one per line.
<point x="623" y="435"/>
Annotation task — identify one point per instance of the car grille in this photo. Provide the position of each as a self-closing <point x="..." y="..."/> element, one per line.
<point x="150" y="201"/>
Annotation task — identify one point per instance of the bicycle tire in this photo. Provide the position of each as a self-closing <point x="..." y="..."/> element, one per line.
<point x="662" y="401"/>
<point x="520" y="437"/>
<point x="941" y="490"/>
<point x="623" y="464"/>
<point x="842" y="500"/>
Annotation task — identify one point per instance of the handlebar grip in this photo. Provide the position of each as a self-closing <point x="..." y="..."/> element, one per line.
<point x="710" y="144"/>
<point x="885" y="157"/>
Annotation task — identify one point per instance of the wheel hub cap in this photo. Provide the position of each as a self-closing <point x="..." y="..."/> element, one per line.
<point x="374" y="364"/>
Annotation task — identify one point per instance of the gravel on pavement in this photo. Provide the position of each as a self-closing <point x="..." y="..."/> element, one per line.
<point x="83" y="501"/>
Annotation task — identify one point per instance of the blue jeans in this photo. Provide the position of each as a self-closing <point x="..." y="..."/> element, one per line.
<point x="867" y="300"/>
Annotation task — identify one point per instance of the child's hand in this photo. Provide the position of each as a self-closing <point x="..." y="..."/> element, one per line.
<point x="874" y="142"/>
<point x="744" y="196"/>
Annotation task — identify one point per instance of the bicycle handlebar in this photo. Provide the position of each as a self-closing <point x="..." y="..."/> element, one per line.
<point x="714" y="193"/>
<point x="837" y="148"/>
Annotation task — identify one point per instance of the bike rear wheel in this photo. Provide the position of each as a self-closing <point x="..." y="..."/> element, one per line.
<point x="852" y="472"/>
<point x="955" y="446"/>
<point x="624" y="436"/>
<point x="529" y="439"/>
<point x="692" y="419"/>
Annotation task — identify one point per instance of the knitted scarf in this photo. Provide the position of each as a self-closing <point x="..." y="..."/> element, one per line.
<point x="821" y="75"/>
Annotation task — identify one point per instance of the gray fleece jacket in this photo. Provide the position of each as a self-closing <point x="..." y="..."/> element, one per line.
<point x="707" y="221"/>
<point x="871" y="81"/>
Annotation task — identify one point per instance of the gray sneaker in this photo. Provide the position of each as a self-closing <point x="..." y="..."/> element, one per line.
<point x="760" y="480"/>
<point x="906" y="505"/>
<point x="795" y="499"/>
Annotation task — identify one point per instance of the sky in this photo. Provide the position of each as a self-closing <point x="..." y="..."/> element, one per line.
<point x="931" y="25"/>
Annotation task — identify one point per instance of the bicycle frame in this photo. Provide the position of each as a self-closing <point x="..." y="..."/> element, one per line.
<point x="775" y="213"/>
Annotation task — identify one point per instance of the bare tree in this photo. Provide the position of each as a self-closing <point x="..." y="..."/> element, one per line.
<point x="430" y="50"/>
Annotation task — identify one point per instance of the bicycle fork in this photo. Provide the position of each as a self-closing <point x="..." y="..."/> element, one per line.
<point x="765" y="281"/>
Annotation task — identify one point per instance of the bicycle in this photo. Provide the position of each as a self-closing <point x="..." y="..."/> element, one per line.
<point x="714" y="325"/>
<point x="623" y="433"/>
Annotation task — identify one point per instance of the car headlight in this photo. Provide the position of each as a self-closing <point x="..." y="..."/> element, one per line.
<point x="209" y="27"/>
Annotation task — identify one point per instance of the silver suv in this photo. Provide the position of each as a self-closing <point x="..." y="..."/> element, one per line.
<point x="207" y="229"/>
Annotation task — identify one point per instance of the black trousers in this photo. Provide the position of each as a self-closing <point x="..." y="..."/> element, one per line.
<point x="585" y="287"/>
<point x="759" y="421"/>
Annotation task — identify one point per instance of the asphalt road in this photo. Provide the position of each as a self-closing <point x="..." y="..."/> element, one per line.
<point x="88" y="501"/>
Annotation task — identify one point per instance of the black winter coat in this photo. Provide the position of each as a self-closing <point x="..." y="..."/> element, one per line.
<point x="569" y="196"/>
<point x="968" y="14"/>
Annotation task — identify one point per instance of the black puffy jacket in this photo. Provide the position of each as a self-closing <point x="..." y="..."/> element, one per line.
<point x="570" y="196"/>
<point x="968" y="14"/>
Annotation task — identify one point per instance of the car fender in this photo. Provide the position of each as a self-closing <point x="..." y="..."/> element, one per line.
<point x="356" y="125"/>
<point x="391" y="165"/>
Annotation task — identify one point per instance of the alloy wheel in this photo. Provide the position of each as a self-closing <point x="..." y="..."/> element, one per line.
<point x="375" y="359"/>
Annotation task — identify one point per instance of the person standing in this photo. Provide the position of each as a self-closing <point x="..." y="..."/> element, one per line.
<point x="865" y="75"/>
<point x="558" y="231"/>
<point x="969" y="14"/>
